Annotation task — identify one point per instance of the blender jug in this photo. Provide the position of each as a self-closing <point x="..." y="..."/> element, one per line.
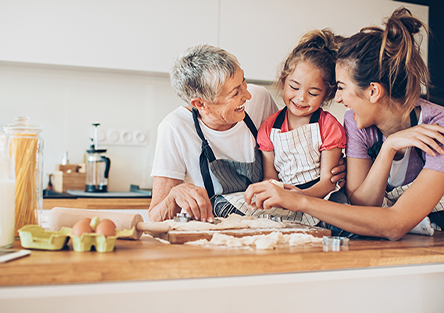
<point x="97" y="166"/>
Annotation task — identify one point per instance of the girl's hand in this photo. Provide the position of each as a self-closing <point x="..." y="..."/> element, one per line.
<point x="266" y="195"/>
<point x="425" y="137"/>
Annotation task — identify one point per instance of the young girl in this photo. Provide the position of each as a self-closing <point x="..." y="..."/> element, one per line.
<point x="395" y="141"/>
<point x="294" y="140"/>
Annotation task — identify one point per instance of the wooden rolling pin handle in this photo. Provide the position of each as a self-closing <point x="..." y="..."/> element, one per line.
<point x="152" y="228"/>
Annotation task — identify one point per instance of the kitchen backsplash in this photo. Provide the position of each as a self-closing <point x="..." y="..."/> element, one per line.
<point x="67" y="100"/>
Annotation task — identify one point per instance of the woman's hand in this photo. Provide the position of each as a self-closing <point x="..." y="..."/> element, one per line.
<point x="266" y="195"/>
<point x="194" y="200"/>
<point x="425" y="137"/>
<point x="170" y="196"/>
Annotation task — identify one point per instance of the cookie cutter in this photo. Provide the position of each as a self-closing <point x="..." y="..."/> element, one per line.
<point x="185" y="218"/>
<point x="335" y="243"/>
<point x="182" y="217"/>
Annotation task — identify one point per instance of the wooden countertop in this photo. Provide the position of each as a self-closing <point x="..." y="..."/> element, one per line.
<point x="148" y="259"/>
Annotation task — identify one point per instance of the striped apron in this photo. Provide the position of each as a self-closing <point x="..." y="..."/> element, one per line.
<point x="297" y="158"/>
<point x="297" y="161"/>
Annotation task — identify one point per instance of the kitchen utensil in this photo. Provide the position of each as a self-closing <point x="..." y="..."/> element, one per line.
<point x="26" y="151"/>
<point x="182" y="217"/>
<point x="335" y="243"/>
<point x="97" y="165"/>
<point x="67" y="217"/>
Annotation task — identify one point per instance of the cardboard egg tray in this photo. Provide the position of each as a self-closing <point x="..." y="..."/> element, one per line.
<point x="36" y="237"/>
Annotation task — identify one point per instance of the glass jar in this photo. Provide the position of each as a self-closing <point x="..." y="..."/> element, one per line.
<point x="26" y="151"/>
<point x="7" y="194"/>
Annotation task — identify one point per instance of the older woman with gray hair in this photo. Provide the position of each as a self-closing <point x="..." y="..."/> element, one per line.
<point x="207" y="149"/>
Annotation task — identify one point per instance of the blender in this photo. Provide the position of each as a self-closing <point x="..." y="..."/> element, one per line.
<point x="97" y="165"/>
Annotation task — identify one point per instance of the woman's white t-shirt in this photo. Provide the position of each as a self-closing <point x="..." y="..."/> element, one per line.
<point x="178" y="147"/>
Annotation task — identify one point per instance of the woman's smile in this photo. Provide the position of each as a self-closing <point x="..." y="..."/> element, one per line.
<point x="240" y="108"/>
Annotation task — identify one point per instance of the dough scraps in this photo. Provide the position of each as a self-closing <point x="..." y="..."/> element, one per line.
<point x="261" y="242"/>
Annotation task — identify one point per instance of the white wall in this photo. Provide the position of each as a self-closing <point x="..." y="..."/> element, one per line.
<point x="65" y="101"/>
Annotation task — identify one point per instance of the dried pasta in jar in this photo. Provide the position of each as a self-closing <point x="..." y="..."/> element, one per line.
<point x="26" y="152"/>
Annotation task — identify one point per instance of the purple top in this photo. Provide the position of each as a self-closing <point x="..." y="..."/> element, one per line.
<point x="360" y="140"/>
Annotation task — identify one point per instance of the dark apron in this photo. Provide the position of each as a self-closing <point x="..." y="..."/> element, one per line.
<point x="233" y="176"/>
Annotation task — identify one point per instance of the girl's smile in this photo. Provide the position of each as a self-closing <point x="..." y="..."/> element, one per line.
<point x="304" y="92"/>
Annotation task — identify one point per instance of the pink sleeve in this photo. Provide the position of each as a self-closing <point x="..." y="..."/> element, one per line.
<point x="332" y="132"/>
<point x="263" y="134"/>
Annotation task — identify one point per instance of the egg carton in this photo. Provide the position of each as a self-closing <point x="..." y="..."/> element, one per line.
<point x="86" y="241"/>
<point x="36" y="237"/>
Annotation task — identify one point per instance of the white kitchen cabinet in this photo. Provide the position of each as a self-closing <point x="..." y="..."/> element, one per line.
<point x="262" y="32"/>
<point x="147" y="35"/>
<point x="143" y="35"/>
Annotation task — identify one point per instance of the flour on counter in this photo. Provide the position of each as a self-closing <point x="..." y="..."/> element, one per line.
<point x="261" y="242"/>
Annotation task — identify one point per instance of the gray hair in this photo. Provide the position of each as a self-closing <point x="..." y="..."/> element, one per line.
<point x="200" y="72"/>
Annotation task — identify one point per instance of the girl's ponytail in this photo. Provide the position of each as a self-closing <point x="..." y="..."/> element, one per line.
<point x="320" y="48"/>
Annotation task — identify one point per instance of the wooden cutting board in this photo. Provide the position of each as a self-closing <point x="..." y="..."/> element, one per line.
<point x="177" y="236"/>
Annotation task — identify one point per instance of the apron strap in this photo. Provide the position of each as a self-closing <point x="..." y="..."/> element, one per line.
<point x="414" y="122"/>
<point x="315" y="116"/>
<point x="207" y="154"/>
<point x="250" y="125"/>
<point x="281" y="118"/>
<point x="373" y="151"/>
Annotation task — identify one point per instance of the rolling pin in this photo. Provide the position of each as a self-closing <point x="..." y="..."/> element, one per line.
<point x="67" y="217"/>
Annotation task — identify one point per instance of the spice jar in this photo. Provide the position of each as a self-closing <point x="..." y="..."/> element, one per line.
<point x="7" y="194"/>
<point x="26" y="151"/>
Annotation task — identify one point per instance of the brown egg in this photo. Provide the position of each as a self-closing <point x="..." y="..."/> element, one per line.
<point x="106" y="227"/>
<point x="82" y="227"/>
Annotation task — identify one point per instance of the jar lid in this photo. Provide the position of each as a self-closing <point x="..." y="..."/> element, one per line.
<point x="22" y="126"/>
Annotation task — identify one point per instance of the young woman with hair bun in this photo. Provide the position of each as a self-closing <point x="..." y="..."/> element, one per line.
<point x="395" y="155"/>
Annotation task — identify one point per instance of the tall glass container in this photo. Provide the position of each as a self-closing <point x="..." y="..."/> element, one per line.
<point x="7" y="194"/>
<point x="26" y="151"/>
